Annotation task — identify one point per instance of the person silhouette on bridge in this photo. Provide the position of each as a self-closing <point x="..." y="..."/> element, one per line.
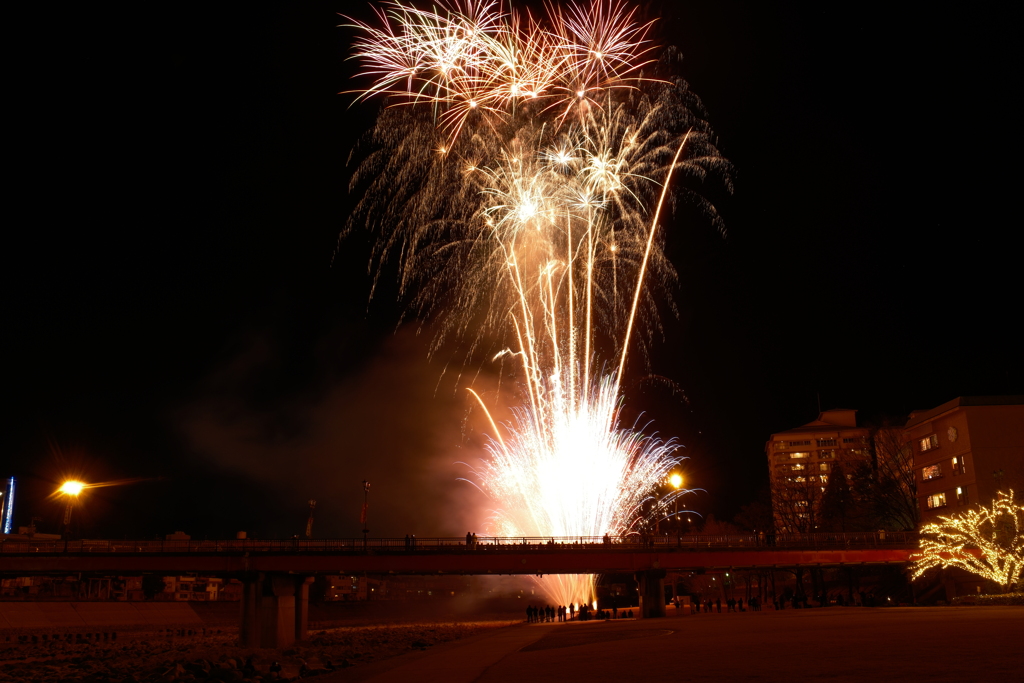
<point x="469" y="539"/>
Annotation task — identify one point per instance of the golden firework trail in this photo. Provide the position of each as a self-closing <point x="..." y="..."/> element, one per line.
<point x="521" y="190"/>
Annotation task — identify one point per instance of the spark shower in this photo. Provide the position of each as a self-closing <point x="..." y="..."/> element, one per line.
<point x="516" y="178"/>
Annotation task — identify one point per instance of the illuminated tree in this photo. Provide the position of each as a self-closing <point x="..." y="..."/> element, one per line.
<point x="988" y="542"/>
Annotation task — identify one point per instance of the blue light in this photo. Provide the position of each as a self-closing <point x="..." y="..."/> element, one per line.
<point x="8" y="506"/>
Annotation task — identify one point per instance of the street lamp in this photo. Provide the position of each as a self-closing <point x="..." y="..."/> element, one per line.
<point x="70" y="489"/>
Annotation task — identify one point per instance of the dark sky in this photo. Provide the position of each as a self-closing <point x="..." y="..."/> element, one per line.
<point x="177" y="307"/>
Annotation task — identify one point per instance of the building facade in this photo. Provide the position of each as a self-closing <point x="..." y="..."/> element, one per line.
<point x="965" y="451"/>
<point x="802" y="459"/>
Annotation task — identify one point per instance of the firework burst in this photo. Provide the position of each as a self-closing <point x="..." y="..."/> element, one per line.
<point x="474" y="57"/>
<point x="520" y="191"/>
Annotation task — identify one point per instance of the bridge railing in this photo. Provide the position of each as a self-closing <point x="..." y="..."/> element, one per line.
<point x="489" y="544"/>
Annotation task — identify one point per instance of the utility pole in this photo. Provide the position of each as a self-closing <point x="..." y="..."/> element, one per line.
<point x="309" y="522"/>
<point x="363" y="517"/>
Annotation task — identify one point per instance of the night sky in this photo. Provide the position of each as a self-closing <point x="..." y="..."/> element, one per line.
<point x="178" y="309"/>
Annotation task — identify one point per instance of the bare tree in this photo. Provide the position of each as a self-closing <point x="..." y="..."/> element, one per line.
<point x="757" y="514"/>
<point x="796" y="501"/>
<point x="840" y="508"/>
<point x="716" y="527"/>
<point x="891" y="489"/>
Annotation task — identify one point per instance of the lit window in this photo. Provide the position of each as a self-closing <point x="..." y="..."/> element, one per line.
<point x="823" y="467"/>
<point x="826" y="455"/>
<point x="826" y="442"/>
<point x="961" y="496"/>
<point x="928" y="443"/>
<point x="824" y="479"/>
<point x="958" y="466"/>
<point x="937" y="500"/>
<point x="929" y="473"/>
<point x="800" y="480"/>
<point x="801" y="503"/>
<point x="800" y="454"/>
<point x="797" y="466"/>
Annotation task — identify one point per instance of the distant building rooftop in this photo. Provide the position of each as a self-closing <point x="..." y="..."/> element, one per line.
<point x="838" y="417"/>
<point x="919" y="416"/>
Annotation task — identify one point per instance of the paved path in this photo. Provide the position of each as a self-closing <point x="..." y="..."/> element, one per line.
<point x="463" y="660"/>
<point x="835" y="644"/>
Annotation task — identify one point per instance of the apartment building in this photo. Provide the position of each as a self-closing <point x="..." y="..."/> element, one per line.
<point x="966" y="450"/>
<point x="802" y="459"/>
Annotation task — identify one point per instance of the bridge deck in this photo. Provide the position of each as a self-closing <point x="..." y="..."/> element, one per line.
<point x="581" y="555"/>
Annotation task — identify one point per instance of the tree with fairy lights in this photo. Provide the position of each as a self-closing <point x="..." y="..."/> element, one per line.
<point x="987" y="541"/>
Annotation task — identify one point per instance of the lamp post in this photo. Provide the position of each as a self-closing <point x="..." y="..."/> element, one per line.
<point x="363" y="518"/>
<point x="70" y="490"/>
<point x="309" y="522"/>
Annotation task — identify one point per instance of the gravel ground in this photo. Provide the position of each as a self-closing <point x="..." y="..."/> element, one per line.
<point x="218" y="658"/>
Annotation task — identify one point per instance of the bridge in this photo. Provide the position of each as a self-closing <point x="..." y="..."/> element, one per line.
<point x="276" y="573"/>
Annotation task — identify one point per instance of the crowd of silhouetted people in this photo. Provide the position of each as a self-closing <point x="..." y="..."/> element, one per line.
<point x="537" y="614"/>
<point x="787" y="601"/>
<point x="583" y="612"/>
<point x="731" y="605"/>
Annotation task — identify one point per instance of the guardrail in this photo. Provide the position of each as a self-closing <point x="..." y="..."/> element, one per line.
<point x="561" y="544"/>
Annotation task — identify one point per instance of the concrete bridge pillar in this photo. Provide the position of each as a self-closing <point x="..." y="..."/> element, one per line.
<point x="275" y="610"/>
<point x="302" y="584"/>
<point x="651" y="589"/>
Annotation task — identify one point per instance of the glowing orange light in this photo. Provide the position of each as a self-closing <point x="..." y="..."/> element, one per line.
<point x="71" y="488"/>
